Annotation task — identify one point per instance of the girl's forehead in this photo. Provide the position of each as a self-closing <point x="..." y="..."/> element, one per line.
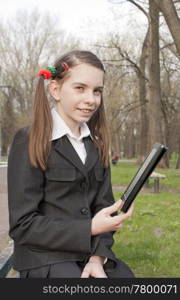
<point x="86" y="73"/>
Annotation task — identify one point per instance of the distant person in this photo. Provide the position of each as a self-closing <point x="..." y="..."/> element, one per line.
<point x="61" y="205"/>
<point x="115" y="158"/>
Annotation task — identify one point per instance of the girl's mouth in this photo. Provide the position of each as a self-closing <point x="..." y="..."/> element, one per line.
<point x="85" y="110"/>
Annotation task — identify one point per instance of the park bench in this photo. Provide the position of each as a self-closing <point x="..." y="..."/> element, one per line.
<point x="5" y="265"/>
<point x="6" y="270"/>
<point x="156" y="177"/>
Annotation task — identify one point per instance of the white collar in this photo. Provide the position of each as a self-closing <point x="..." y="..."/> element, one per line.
<point x="60" y="128"/>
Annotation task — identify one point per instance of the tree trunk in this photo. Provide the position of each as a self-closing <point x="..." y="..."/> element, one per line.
<point x="155" y="112"/>
<point x="8" y="124"/>
<point x="143" y="101"/>
<point x="178" y="160"/>
<point x="173" y="22"/>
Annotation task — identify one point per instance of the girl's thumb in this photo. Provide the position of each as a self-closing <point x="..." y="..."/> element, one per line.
<point x="116" y="206"/>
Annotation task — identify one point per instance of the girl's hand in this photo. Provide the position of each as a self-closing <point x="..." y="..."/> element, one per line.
<point x="94" y="268"/>
<point x="103" y="222"/>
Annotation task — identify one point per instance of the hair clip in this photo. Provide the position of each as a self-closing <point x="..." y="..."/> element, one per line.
<point x="65" y="66"/>
<point x="52" y="70"/>
<point x="45" y="73"/>
<point x="48" y="73"/>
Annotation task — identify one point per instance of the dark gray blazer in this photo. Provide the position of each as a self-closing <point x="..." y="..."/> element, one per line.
<point x="50" y="211"/>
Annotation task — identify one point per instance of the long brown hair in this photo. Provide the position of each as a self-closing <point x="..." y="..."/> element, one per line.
<point x="41" y="128"/>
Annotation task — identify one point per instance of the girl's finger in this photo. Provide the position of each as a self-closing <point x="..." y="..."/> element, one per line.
<point x="85" y="274"/>
<point x="101" y="276"/>
<point x="130" y="210"/>
<point x="119" y="218"/>
<point x="113" y="208"/>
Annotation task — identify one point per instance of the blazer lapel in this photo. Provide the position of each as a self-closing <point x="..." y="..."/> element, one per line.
<point x="65" y="148"/>
<point x="92" y="153"/>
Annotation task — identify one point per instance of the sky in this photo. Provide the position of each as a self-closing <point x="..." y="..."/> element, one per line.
<point x="86" y="18"/>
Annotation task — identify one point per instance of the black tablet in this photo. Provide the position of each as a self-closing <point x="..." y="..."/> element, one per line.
<point x="142" y="175"/>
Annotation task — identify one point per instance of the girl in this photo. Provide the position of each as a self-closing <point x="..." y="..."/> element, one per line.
<point x="61" y="207"/>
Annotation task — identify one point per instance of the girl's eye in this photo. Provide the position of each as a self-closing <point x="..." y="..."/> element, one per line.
<point x="98" y="92"/>
<point x="80" y="88"/>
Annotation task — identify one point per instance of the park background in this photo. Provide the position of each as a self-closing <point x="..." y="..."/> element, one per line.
<point x="139" y="44"/>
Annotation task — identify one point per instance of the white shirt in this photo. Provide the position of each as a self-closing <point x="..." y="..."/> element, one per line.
<point x="60" y="128"/>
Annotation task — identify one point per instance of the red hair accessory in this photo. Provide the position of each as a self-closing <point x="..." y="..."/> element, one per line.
<point x="45" y="73"/>
<point x="65" y="66"/>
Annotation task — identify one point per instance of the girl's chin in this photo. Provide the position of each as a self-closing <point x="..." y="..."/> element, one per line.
<point x="84" y="118"/>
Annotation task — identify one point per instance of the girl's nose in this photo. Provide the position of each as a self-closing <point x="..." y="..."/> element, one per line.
<point x="89" y="98"/>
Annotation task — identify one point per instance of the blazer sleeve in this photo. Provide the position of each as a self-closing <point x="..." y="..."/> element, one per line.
<point x="102" y="243"/>
<point x="25" y="193"/>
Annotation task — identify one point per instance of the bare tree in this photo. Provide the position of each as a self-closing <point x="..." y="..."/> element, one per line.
<point x="28" y="42"/>
<point x="25" y="44"/>
<point x="178" y="159"/>
<point x="155" y="125"/>
<point x="159" y="99"/>
<point x="169" y="11"/>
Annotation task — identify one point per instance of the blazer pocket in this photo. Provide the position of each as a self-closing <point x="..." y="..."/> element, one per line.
<point x="99" y="172"/>
<point x="61" y="174"/>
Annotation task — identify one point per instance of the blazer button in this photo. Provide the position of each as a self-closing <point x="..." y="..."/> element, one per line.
<point x="84" y="211"/>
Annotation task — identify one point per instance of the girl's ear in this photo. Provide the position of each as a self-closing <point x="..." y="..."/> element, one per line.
<point x="54" y="89"/>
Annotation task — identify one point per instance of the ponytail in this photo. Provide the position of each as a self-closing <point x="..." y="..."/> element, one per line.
<point x="100" y="133"/>
<point x="41" y="128"/>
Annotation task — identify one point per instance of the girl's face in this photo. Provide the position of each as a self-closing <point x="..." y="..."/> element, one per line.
<point x="79" y="96"/>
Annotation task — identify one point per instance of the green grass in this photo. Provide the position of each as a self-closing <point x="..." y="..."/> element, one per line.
<point x="172" y="180"/>
<point x="149" y="241"/>
<point x="123" y="173"/>
<point x="3" y="160"/>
